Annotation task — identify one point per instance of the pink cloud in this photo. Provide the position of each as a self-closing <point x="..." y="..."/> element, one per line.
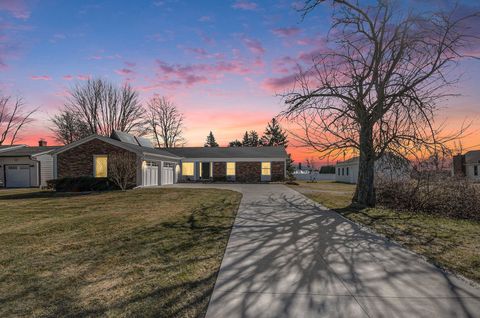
<point x="67" y="77"/>
<point x="16" y="8"/>
<point x="285" y="32"/>
<point x="130" y="64"/>
<point x="83" y="77"/>
<point x="40" y="78"/>
<point x="105" y="57"/>
<point x="244" y="5"/>
<point x="254" y="46"/>
<point x="124" y="71"/>
<point x="279" y="83"/>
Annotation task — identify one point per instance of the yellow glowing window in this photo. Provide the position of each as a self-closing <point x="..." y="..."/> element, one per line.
<point x="188" y="169"/>
<point x="101" y="166"/>
<point x="230" y="168"/>
<point x="266" y="168"/>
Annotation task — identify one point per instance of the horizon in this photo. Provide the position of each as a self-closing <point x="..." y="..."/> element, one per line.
<point x="223" y="64"/>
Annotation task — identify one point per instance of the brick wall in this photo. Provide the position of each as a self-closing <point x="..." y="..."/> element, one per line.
<point x="278" y="171"/>
<point x="78" y="161"/>
<point x="248" y="171"/>
<point x="219" y="171"/>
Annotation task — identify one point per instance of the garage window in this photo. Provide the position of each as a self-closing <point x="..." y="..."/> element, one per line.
<point x="266" y="169"/>
<point x="188" y="169"/>
<point x="230" y="168"/>
<point x="100" y="166"/>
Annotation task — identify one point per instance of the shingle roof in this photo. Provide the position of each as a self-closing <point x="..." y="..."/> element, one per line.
<point x="230" y="152"/>
<point x="26" y="151"/>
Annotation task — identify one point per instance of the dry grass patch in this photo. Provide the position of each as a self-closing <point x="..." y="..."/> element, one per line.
<point x="149" y="252"/>
<point x="447" y="242"/>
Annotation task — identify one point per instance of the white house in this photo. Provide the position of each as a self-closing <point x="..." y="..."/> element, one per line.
<point x="23" y="166"/>
<point x="467" y="165"/>
<point x="389" y="166"/>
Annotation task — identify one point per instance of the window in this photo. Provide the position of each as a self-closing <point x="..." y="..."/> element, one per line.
<point x="100" y="166"/>
<point x="188" y="169"/>
<point x="168" y="164"/>
<point x="266" y="168"/>
<point x="347" y="170"/>
<point x="338" y="171"/>
<point x="475" y="170"/>
<point x="230" y="168"/>
<point x="343" y="171"/>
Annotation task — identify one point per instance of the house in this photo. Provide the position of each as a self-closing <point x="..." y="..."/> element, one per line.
<point x="467" y="165"/>
<point x="23" y="166"/>
<point x="388" y="166"/>
<point x="90" y="157"/>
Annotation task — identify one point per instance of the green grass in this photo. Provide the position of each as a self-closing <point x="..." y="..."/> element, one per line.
<point x="450" y="243"/>
<point x="148" y="253"/>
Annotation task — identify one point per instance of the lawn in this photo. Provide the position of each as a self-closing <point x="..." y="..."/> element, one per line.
<point x="450" y="243"/>
<point x="148" y="253"/>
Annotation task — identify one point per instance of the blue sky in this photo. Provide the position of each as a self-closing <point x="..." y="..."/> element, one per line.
<point x="221" y="62"/>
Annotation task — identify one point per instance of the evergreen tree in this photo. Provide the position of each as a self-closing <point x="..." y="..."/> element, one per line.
<point x="211" y="142"/>
<point x="251" y="139"/>
<point x="274" y="135"/>
<point x="235" y="143"/>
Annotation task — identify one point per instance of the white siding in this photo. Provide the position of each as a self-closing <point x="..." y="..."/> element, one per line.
<point x="46" y="168"/>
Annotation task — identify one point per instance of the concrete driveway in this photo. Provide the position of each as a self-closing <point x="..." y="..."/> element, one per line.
<point x="290" y="257"/>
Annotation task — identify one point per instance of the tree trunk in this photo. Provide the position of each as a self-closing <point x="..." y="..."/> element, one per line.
<point x="365" y="190"/>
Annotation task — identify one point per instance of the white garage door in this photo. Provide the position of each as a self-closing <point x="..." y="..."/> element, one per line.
<point x="17" y="176"/>
<point x="167" y="173"/>
<point x="150" y="174"/>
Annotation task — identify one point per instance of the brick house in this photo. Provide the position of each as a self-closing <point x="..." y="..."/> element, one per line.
<point x="92" y="156"/>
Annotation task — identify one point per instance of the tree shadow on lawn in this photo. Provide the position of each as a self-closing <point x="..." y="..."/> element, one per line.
<point x="287" y="255"/>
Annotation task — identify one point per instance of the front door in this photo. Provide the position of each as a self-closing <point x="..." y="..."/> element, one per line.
<point x="205" y="170"/>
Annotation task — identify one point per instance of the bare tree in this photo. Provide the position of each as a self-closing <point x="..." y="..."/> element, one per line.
<point x="376" y="88"/>
<point x="13" y="118"/>
<point x="68" y="127"/>
<point x="122" y="169"/>
<point x="104" y="107"/>
<point x="166" y="122"/>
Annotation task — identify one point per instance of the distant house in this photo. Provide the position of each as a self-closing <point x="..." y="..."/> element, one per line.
<point x="467" y="165"/>
<point x="22" y="166"/>
<point x="389" y="166"/>
<point x="90" y="157"/>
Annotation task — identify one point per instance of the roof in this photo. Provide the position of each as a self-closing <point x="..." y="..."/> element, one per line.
<point x="472" y="157"/>
<point x="230" y="152"/>
<point x="128" y="146"/>
<point x="26" y="151"/>
<point x="349" y="161"/>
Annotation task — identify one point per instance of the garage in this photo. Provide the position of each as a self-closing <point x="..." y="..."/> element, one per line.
<point x="150" y="173"/>
<point x="17" y="176"/>
<point x="167" y="173"/>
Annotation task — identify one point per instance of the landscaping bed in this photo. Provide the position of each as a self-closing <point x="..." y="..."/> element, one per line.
<point x="145" y="252"/>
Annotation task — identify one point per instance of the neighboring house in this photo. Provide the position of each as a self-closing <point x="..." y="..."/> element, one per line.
<point x="389" y="166"/>
<point x="90" y="157"/>
<point x="467" y="165"/>
<point x="22" y="166"/>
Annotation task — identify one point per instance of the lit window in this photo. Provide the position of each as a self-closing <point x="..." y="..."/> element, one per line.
<point x="230" y="168"/>
<point x="266" y="168"/>
<point x="188" y="169"/>
<point x="100" y="166"/>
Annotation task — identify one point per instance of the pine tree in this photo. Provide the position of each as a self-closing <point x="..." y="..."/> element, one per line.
<point x="211" y="142"/>
<point x="274" y="135"/>
<point x="235" y="143"/>
<point x="250" y="139"/>
<point x="246" y="140"/>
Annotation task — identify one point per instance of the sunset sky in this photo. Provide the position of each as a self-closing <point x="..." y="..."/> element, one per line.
<point x="222" y="62"/>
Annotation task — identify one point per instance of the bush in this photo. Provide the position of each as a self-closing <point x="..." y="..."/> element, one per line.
<point x="80" y="184"/>
<point x="432" y="193"/>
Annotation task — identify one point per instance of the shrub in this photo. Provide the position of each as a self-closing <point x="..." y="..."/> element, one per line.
<point x="80" y="184"/>
<point x="432" y="193"/>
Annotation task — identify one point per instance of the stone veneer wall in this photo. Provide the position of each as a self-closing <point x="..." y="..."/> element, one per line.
<point x="219" y="171"/>
<point x="78" y="161"/>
